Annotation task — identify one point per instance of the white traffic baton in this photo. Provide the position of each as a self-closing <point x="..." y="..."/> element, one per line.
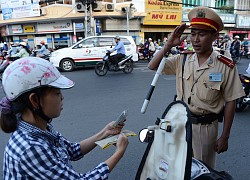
<point x="152" y="86"/>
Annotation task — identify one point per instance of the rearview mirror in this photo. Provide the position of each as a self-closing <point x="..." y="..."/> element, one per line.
<point x="146" y="135"/>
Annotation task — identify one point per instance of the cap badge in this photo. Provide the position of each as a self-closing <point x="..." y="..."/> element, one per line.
<point x="200" y="14"/>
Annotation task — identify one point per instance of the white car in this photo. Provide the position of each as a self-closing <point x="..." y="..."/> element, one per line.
<point x="89" y="51"/>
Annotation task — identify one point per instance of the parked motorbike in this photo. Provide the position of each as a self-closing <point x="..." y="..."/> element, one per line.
<point x="243" y="102"/>
<point x="125" y="65"/>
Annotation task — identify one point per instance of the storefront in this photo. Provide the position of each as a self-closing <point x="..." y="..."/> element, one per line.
<point x="161" y="19"/>
<point x="243" y="27"/>
<point x="55" y="34"/>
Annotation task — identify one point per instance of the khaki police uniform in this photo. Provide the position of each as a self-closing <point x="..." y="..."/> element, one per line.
<point x="205" y="89"/>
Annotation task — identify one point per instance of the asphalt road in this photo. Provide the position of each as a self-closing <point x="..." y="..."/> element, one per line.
<point x="95" y="101"/>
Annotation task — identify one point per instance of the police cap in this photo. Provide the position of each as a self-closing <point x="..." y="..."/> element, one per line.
<point x="205" y="18"/>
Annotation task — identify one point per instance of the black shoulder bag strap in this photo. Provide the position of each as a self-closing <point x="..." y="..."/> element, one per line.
<point x="183" y="64"/>
<point x="188" y="131"/>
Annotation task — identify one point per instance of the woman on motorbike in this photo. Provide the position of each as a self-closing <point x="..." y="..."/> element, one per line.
<point x="22" y="52"/>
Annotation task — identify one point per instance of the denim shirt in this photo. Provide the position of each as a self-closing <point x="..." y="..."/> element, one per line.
<point x="119" y="48"/>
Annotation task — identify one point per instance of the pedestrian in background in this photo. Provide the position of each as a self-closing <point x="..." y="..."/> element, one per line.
<point x="5" y="46"/>
<point x="35" y="149"/>
<point x="43" y="51"/>
<point x="22" y="51"/>
<point x="120" y="51"/>
<point x="146" y="49"/>
<point x="209" y="84"/>
<point x="151" y="45"/>
<point x="235" y="47"/>
<point x="12" y="50"/>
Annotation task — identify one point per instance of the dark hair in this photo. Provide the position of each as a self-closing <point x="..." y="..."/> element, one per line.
<point x="8" y="122"/>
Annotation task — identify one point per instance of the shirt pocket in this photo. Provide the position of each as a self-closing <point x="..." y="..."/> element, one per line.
<point x="209" y="91"/>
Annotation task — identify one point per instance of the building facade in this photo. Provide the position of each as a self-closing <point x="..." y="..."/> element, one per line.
<point x="61" y="23"/>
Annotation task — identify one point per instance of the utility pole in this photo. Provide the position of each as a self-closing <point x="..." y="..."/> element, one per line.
<point x="87" y="22"/>
<point x="127" y="11"/>
<point x="88" y="16"/>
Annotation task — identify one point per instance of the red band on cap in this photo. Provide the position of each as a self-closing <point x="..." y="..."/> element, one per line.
<point x="205" y="22"/>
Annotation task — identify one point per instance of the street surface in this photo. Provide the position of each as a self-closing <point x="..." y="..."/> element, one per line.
<point x="95" y="101"/>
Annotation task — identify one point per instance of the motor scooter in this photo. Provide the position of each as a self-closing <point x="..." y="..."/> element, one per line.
<point x="34" y="54"/>
<point x="235" y="56"/>
<point x="243" y="102"/>
<point x="125" y="65"/>
<point x="168" y="154"/>
<point x="141" y="52"/>
<point x="5" y="63"/>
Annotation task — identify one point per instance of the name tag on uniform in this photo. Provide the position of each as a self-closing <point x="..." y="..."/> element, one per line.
<point x="215" y="77"/>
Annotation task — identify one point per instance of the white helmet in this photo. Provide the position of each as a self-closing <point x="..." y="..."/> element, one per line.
<point x="23" y="43"/>
<point x="29" y="73"/>
<point x="236" y="37"/>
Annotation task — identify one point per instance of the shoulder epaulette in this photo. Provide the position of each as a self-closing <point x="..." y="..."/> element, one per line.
<point x="187" y="52"/>
<point x="226" y="60"/>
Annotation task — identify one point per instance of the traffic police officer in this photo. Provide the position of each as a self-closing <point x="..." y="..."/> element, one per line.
<point x="207" y="81"/>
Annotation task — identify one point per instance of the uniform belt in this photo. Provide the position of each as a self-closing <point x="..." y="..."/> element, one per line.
<point x="204" y="119"/>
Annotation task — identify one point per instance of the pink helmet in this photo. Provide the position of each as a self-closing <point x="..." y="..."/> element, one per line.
<point x="28" y="73"/>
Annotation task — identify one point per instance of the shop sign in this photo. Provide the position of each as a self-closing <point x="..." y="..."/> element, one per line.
<point x="17" y="29"/>
<point x="79" y="26"/>
<point x="19" y="8"/>
<point x="163" y="12"/>
<point x="243" y="21"/>
<point x="28" y="29"/>
<point x="228" y="18"/>
<point x="49" y="40"/>
<point x="239" y="32"/>
<point x="54" y="26"/>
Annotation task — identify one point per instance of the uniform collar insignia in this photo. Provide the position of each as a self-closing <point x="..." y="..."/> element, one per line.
<point x="210" y="61"/>
<point x="200" y="13"/>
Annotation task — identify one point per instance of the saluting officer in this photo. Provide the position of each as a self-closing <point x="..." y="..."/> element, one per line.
<point x="209" y="82"/>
